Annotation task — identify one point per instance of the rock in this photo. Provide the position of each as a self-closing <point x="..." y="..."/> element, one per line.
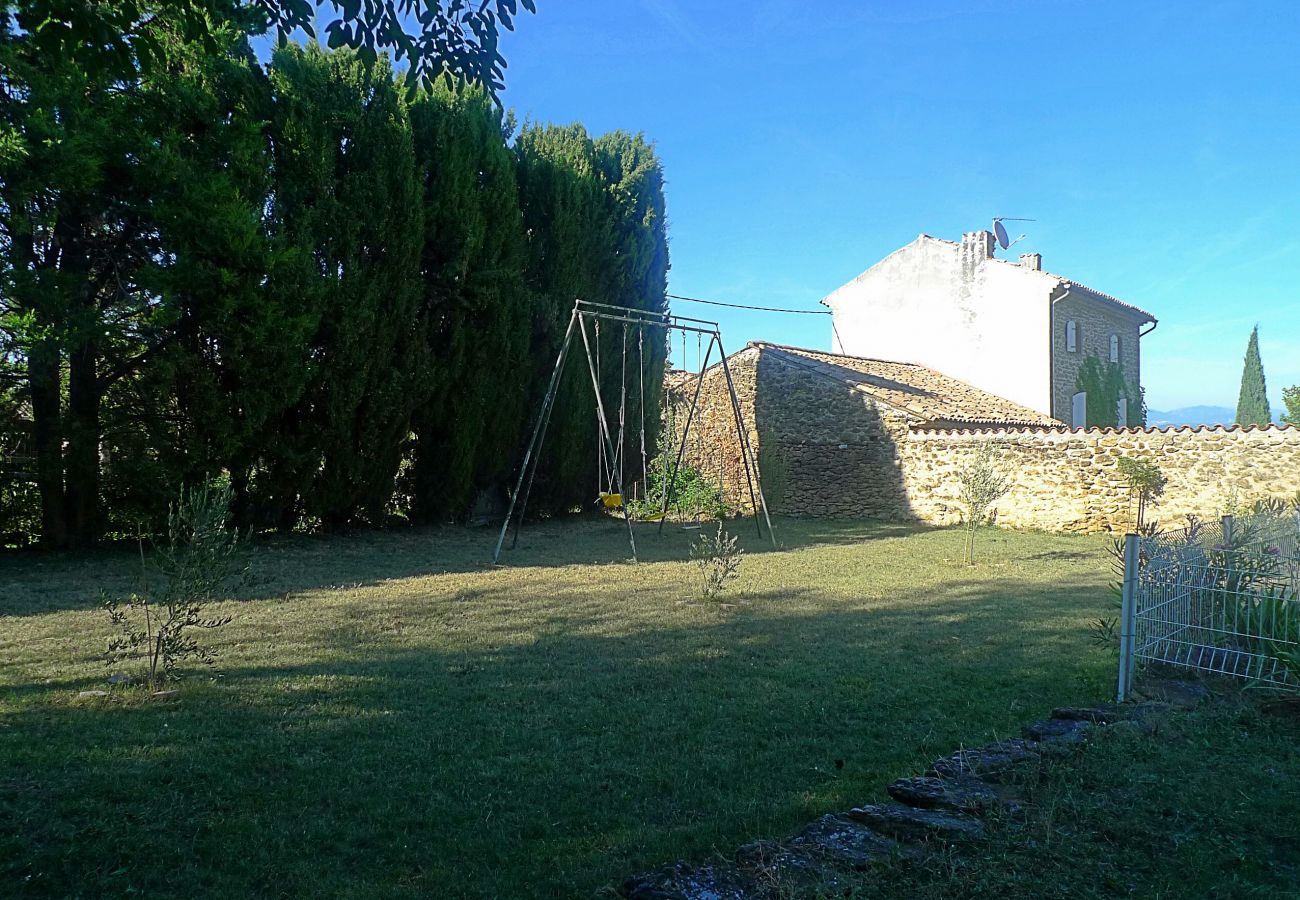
<point x="1176" y="692"/>
<point x="993" y="762"/>
<point x="1103" y="714"/>
<point x="92" y="694"/>
<point x="1141" y="727"/>
<point x="682" y="881"/>
<point x="903" y="823"/>
<point x="119" y="679"/>
<point x="842" y="841"/>
<point x="1061" y="732"/>
<point x="165" y="695"/>
<point x="786" y="872"/>
<point x="961" y="794"/>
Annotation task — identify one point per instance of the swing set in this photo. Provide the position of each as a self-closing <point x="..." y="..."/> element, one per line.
<point x="611" y="459"/>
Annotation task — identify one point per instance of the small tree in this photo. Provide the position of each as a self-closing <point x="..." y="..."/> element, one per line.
<point x="719" y="560"/>
<point x="201" y="558"/>
<point x="1291" y="400"/>
<point x="982" y="485"/>
<point x="1145" y="483"/>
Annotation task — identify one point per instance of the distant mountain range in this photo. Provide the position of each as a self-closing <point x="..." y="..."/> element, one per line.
<point x="1193" y="415"/>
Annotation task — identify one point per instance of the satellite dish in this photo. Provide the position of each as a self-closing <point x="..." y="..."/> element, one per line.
<point x="1000" y="233"/>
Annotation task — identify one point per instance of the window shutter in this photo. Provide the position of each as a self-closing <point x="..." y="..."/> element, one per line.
<point x="1079" y="410"/>
<point x="1121" y="412"/>
<point x="1071" y="336"/>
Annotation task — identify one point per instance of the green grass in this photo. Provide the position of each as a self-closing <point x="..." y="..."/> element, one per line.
<point x="1205" y="807"/>
<point x="392" y="717"/>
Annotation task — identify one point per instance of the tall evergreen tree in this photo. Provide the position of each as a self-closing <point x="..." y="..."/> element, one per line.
<point x="474" y="309"/>
<point x="1252" y="402"/>
<point x="346" y="206"/>
<point x="77" y="232"/>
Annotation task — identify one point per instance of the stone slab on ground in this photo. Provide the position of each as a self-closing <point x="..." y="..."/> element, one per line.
<point x="783" y="872"/>
<point x="997" y="761"/>
<point x="906" y="823"/>
<point x="819" y="858"/>
<point x="1174" y="691"/>
<point x="842" y="841"/>
<point x="963" y="793"/>
<point x="682" y="881"/>
<point x="1061" y="732"/>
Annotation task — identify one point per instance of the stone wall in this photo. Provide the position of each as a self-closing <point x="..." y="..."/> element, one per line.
<point x="1065" y="480"/>
<point x="1096" y="322"/>
<point x="713" y="446"/>
<point x="827" y="449"/>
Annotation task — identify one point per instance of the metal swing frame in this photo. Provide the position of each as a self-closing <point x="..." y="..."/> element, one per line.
<point x="585" y="312"/>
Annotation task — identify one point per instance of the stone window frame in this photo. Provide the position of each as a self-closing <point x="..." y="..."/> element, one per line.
<point x="1071" y="336"/>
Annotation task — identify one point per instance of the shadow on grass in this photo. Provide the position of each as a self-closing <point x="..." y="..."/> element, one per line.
<point x="549" y="763"/>
<point x="39" y="582"/>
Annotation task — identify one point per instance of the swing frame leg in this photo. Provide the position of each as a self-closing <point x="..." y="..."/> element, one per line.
<point x="686" y="433"/>
<point x="533" y="453"/>
<point x="759" y="502"/>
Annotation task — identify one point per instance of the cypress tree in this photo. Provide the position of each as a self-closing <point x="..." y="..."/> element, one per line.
<point x="474" y="311"/>
<point x="571" y="246"/>
<point x="346" y="208"/>
<point x="1252" y="402"/>
<point x="231" y="360"/>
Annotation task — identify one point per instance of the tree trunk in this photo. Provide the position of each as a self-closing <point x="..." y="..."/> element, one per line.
<point x="81" y="493"/>
<point x="43" y="384"/>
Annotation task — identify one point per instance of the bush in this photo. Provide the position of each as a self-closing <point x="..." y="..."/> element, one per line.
<point x="718" y="558"/>
<point x="201" y="559"/>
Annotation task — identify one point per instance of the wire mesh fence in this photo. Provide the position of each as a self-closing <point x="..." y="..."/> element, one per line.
<point x="1218" y="597"/>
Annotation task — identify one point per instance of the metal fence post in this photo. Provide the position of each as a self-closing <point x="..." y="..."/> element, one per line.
<point x="1128" y="618"/>
<point x="1226" y="522"/>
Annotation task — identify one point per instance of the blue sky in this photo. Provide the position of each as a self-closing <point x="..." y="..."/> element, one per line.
<point x="1157" y="145"/>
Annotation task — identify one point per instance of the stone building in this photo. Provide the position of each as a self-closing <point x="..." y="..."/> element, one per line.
<point x="843" y="436"/>
<point x="1008" y="328"/>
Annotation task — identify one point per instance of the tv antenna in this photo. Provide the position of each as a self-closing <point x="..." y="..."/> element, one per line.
<point x="1000" y="232"/>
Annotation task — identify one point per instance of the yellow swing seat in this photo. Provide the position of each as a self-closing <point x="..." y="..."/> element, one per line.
<point x="611" y="501"/>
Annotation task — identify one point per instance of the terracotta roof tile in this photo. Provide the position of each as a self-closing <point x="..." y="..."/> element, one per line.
<point x="1068" y="282"/>
<point x="931" y="396"/>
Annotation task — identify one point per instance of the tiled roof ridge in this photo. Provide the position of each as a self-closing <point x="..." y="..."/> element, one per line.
<point x="891" y="362"/>
<point x="1012" y="417"/>
<point x="1151" y="429"/>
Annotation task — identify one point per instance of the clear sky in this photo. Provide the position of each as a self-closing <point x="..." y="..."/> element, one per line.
<point x="1156" y="143"/>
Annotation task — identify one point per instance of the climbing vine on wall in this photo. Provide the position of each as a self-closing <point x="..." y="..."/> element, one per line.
<point x="1105" y="385"/>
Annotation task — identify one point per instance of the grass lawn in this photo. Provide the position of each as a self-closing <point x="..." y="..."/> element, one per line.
<point x="393" y="717"/>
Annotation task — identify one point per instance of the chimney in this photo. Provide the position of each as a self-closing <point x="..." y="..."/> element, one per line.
<point x="1032" y="261"/>
<point x="976" y="246"/>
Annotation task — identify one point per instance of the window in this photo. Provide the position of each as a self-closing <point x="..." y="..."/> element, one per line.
<point x="1121" y="411"/>
<point x="1114" y="348"/>
<point x="1071" y="336"/>
<point x="1079" y="410"/>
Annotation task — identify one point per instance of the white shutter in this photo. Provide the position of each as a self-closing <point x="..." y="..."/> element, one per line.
<point x="1071" y="336"/>
<point x="1079" y="409"/>
<point x="1121" y="412"/>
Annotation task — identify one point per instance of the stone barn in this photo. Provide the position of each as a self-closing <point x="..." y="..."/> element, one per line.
<point x="844" y="436"/>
